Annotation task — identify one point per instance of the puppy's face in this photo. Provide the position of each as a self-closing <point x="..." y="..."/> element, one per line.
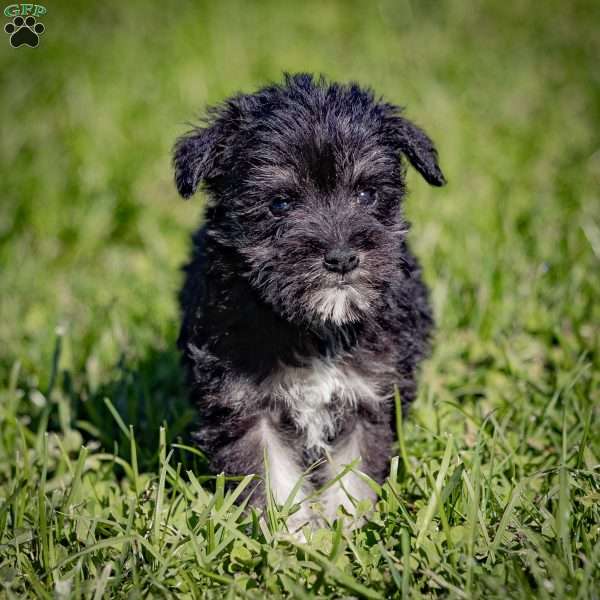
<point x="306" y="182"/>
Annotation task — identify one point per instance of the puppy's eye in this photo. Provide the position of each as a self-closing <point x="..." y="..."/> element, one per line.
<point x="279" y="206"/>
<point x="366" y="197"/>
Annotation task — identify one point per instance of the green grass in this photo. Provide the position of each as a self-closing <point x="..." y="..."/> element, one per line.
<point x="496" y="490"/>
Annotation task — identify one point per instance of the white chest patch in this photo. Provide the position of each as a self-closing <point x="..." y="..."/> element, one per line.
<point x="309" y="391"/>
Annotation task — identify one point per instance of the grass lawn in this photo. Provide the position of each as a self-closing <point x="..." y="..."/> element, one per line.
<point x="495" y="492"/>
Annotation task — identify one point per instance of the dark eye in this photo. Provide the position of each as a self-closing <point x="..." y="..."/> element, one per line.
<point x="279" y="206"/>
<point x="366" y="197"/>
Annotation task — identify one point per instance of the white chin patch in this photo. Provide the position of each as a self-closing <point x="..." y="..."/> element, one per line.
<point x="339" y="304"/>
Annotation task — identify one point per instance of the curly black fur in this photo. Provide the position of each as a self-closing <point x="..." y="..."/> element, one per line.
<point x="292" y="172"/>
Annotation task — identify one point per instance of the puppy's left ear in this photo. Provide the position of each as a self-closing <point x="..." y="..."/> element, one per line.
<point x="416" y="145"/>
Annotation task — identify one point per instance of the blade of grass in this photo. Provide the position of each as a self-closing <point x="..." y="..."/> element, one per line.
<point x="117" y="417"/>
<point x="134" y="462"/>
<point x="400" y="431"/>
<point x="76" y="481"/>
<point x="396" y="577"/>
<point x="101" y="582"/>
<point x="42" y="516"/>
<point x="156" y="538"/>
<point x="433" y="501"/>
<point x="564" y="500"/>
<point x="406" y="573"/>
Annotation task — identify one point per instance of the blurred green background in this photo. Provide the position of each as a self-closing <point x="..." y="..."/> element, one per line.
<point x="92" y="233"/>
<point x="92" y="237"/>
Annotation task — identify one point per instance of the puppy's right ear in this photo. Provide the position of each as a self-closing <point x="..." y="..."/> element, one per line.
<point x="196" y="157"/>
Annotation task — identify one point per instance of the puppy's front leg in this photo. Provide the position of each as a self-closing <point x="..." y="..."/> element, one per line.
<point x="246" y="455"/>
<point x="369" y="446"/>
<point x="284" y="471"/>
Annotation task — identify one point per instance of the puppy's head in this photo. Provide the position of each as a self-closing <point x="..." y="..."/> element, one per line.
<point x="305" y="180"/>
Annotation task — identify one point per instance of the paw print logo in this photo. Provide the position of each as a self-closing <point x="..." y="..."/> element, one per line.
<point x="24" y="31"/>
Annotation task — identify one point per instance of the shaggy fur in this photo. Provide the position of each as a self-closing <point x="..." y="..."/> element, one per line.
<point x="302" y="305"/>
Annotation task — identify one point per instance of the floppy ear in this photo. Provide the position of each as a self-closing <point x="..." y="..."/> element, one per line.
<point x="196" y="157"/>
<point x="416" y="145"/>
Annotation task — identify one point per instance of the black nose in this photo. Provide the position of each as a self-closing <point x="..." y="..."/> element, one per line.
<point x="341" y="260"/>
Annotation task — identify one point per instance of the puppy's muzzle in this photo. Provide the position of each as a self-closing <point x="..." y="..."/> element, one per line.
<point x="341" y="260"/>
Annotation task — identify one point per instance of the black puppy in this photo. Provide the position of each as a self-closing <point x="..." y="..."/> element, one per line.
<point x="303" y="306"/>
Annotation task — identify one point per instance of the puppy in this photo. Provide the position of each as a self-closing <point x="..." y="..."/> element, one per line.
<point x="303" y="307"/>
